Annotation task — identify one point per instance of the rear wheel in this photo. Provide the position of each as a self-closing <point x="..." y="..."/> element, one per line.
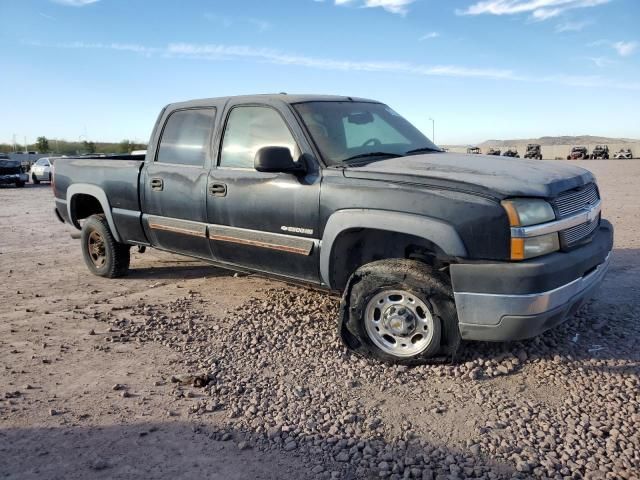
<point x="103" y="255"/>
<point x="401" y="311"/>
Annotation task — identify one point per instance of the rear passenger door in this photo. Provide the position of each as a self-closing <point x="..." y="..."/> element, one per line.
<point x="175" y="183"/>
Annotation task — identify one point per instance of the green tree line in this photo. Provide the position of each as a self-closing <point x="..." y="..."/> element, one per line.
<point x="66" y="147"/>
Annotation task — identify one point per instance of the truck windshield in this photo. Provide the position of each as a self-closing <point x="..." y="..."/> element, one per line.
<point x="346" y="131"/>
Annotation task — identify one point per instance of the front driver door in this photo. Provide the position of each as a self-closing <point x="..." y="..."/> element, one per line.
<point x="263" y="221"/>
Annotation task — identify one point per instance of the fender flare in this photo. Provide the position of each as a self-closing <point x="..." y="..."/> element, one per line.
<point x="436" y="231"/>
<point x="98" y="194"/>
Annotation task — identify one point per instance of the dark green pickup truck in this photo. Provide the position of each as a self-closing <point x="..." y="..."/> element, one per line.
<point x="426" y="247"/>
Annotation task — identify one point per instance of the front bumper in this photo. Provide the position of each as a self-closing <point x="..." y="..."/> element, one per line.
<point x="514" y="301"/>
<point x="14" y="178"/>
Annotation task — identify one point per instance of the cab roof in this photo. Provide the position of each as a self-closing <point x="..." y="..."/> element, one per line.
<point x="269" y="97"/>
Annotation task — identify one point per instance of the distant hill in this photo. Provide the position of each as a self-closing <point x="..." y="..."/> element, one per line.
<point x="564" y="140"/>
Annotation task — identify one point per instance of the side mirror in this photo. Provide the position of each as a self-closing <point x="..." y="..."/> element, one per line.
<point x="277" y="159"/>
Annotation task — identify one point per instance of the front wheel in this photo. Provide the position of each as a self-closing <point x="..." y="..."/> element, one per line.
<point x="103" y="255"/>
<point x="19" y="184"/>
<point x="401" y="311"/>
<point x="35" y="179"/>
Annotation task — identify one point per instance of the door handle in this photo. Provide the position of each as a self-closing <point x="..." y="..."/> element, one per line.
<point x="217" y="189"/>
<point x="157" y="184"/>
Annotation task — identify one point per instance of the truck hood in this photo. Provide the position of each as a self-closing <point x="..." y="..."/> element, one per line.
<point x="488" y="175"/>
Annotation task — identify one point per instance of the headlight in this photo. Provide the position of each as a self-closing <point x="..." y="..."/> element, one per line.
<point x="523" y="248"/>
<point x="524" y="212"/>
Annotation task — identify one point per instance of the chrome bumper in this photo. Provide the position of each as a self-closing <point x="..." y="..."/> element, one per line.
<point x="500" y="317"/>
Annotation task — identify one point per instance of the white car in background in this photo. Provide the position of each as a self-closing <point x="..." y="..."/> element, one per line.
<point x="41" y="170"/>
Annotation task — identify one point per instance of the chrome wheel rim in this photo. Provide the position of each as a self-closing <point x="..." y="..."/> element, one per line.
<point x="399" y="323"/>
<point x="95" y="247"/>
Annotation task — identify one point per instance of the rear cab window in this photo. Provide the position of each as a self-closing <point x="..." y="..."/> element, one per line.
<point x="186" y="137"/>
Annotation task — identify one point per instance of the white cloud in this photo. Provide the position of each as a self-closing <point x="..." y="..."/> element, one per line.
<point x="48" y="17"/>
<point x="429" y="36"/>
<point x="538" y="9"/>
<point x="261" y="25"/>
<point x="572" y="26"/>
<point x="625" y="49"/>
<point x="393" y="6"/>
<point x="219" y="52"/>
<point x="226" y="22"/>
<point x="75" y="3"/>
<point x="600" y="62"/>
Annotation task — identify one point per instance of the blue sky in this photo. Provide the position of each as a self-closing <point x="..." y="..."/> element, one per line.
<point x="482" y="69"/>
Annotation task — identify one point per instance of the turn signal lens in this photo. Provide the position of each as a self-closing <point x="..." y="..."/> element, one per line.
<point x="523" y="248"/>
<point x="514" y="220"/>
<point x="517" y="249"/>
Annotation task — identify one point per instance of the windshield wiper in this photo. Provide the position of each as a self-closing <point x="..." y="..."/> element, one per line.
<point x="423" y="149"/>
<point x="372" y="154"/>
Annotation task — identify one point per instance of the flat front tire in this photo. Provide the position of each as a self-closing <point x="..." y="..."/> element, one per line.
<point x="400" y="311"/>
<point x="103" y="255"/>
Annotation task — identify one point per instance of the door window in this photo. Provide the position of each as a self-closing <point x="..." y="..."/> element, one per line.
<point x="186" y="136"/>
<point x="248" y="130"/>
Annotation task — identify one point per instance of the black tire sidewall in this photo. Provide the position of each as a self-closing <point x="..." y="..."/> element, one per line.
<point x="422" y="282"/>
<point x="116" y="255"/>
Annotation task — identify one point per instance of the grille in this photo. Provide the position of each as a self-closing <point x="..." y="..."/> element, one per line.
<point x="573" y="235"/>
<point x="573" y="201"/>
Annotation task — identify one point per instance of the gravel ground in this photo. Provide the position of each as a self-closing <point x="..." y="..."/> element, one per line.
<point x="183" y="370"/>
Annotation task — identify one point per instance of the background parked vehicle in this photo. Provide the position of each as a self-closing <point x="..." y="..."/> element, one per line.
<point x="533" y="151"/>
<point x="601" y="151"/>
<point x="578" y="153"/>
<point x="41" y="170"/>
<point x="11" y="172"/>
<point x="494" y="151"/>
<point x="511" y="152"/>
<point x="623" y="154"/>
<point x="473" y="151"/>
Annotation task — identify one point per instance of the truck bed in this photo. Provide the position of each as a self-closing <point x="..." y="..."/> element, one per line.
<point x="118" y="176"/>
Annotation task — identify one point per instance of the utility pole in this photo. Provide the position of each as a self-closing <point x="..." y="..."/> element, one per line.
<point x="26" y="150"/>
<point x="433" y="130"/>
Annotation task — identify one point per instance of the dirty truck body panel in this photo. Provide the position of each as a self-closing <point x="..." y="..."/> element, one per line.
<point x="197" y="193"/>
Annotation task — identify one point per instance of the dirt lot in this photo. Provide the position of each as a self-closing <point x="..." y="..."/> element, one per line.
<point x="98" y="375"/>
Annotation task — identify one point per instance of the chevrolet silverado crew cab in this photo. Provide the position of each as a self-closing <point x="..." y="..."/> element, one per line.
<point x="427" y="248"/>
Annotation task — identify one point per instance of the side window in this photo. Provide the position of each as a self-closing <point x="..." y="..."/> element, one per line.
<point x="185" y="137"/>
<point x="248" y="130"/>
<point x="357" y="134"/>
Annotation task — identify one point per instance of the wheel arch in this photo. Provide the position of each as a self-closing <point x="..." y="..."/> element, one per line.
<point x="84" y="200"/>
<point x="349" y="228"/>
